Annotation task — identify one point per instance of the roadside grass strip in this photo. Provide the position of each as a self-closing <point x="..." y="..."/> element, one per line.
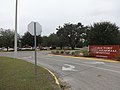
<point x="16" y="74"/>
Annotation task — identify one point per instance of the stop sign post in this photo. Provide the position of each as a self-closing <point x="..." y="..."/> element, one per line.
<point x="35" y="29"/>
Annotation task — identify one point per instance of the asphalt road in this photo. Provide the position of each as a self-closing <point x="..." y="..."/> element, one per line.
<point x="79" y="73"/>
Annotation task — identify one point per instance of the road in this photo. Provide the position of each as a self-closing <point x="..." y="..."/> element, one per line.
<point x="79" y="73"/>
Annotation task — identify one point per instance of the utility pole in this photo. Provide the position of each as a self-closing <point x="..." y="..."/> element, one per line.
<point x="15" y="42"/>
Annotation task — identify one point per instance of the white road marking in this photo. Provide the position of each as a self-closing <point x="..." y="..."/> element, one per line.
<point x="87" y="65"/>
<point x="99" y="68"/>
<point x="68" y="67"/>
<point x="94" y="62"/>
<point x="28" y="57"/>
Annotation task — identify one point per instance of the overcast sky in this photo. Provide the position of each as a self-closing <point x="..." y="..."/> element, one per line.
<point x="52" y="13"/>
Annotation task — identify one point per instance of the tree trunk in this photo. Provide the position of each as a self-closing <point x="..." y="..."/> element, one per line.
<point x="73" y="48"/>
<point x="7" y="49"/>
<point x="61" y="47"/>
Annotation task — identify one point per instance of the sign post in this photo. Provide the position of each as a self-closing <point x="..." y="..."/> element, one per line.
<point x="35" y="29"/>
<point x="35" y="48"/>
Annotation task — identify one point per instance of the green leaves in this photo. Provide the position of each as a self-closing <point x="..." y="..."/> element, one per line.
<point x="7" y="38"/>
<point x="72" y="33"/>
<point x="28" y="40"/>
<point x="103" y="33"/>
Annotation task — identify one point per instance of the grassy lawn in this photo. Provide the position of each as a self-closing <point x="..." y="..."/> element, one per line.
<point x="16" y="74"/>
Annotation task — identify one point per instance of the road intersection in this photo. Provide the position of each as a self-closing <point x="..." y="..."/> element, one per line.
<point x="79" y="73"/>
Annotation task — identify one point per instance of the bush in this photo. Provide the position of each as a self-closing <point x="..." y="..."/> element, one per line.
<point x="57" y="52"/>
<point x="118" y="56"/>
<point x="53" y="52"/>
<point x="67" y="52"/>
<point x="83" y="53"/>
<point x="61" y="52"/>
<point x="72" y="53"/>
<point x="77" y="53"/>
<point x="86" y="54"/>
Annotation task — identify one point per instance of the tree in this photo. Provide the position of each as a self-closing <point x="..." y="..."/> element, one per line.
<point x="7" y="39"/>
<point x="71" y="33"/>
<point x="28" y="40"/>
<point x="62" y="42"/>
<point x="103" y="33"/>
<point x="1" y="37"/>
<point x="51" y="40"/>
<point x="1" y="41"/>
<point x="44" y="41"/>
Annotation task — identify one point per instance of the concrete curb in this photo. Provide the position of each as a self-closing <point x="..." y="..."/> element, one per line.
<point x="56" y="80"/>
<point x="97" y="59"/>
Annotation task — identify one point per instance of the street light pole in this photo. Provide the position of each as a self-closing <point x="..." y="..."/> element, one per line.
<point x="15" y="44"/>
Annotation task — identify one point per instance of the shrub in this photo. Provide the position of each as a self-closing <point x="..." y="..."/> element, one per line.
<point x="77" y="53"/>
<point x="86" y="54"/>
<point x="118" y="56"/>
<point x="72" y="53"/>
<point x="67" y="52"/>
<point x="53" y="52"/>
<point x="61" y="52"/>
<point x="57" y="52"/>
<point x="83" y="51"/>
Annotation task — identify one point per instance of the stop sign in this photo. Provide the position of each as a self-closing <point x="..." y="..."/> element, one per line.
<point x="35" y="29"/>
<point x="31" y="28"/>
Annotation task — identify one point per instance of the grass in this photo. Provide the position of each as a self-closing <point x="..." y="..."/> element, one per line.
<point x="16" y="74"/>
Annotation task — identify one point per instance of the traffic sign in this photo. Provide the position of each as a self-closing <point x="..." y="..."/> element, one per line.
<point x="35" y="29"/>
<point x="31" y="28"/>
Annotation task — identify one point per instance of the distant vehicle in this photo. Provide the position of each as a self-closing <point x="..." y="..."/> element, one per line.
<point x="52" y="48"/>
<point x="26" y="48"/>
<point x="44" y="48"/>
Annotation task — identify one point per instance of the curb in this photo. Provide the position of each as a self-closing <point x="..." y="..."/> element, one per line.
<point x="56" y="80"/>
<point x="97" y="59"/>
